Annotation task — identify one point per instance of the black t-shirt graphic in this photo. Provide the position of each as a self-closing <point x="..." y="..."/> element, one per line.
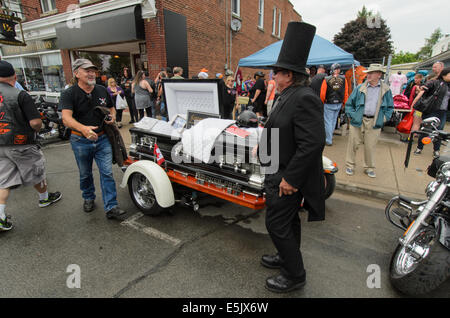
<point x="83" y="104"/>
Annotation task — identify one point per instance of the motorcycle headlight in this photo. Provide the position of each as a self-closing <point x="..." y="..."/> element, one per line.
<point x="444" y="170"/>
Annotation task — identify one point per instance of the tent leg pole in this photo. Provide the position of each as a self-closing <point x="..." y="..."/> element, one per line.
<point x="354" y="76"/>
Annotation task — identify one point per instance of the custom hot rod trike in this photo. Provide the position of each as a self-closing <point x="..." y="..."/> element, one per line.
<point x="197" y="154"/>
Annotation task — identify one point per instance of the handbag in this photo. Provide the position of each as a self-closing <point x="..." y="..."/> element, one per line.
<point x="427" y="104"/>
<point x="121" y="103"/>
<point x="405" y="125"/>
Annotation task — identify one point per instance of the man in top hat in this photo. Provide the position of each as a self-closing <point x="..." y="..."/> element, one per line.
<point x="368" y="107"/>
<point x="334" y="94"/>
<point x="297" y="119"/>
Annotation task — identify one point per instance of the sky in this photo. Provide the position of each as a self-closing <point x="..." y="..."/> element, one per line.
<point x="411" y="22"/>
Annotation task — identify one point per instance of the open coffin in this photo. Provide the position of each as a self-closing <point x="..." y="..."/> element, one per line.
<point x="213" y="155"/>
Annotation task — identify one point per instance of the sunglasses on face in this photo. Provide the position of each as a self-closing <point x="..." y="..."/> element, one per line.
<point x="277" y="70"/>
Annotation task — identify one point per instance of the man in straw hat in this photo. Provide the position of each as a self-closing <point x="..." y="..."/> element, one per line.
<point x="368" y="107"/>
<point x="297" y="118"/>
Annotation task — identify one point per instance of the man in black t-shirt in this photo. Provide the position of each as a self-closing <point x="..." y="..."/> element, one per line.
<point x="89" y="141"/>
<point x="21" y="160"/>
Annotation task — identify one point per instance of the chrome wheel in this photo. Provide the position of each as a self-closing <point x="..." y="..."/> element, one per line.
<point x="142" y="191"/>
<point x="408" y="258"/>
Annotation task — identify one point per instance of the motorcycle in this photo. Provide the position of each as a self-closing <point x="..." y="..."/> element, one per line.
<point x="52" y="126"/>
<point x="421" y="260"/>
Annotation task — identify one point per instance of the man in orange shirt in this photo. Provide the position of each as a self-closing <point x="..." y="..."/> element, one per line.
<point x="270" y="96"/>
<point x="334" y="94"/>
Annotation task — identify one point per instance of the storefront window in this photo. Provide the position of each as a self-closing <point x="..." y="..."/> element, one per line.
<point x="17" y="64"/>
<point x="33" y="72"/>
<point x="53" y="72"/>
<point x="39" y="73"/>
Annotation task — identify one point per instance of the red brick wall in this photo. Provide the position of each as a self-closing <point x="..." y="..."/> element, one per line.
<point x="61" y="7"/>
<point x="208" y="31"/>
<point x="67" y="65"/>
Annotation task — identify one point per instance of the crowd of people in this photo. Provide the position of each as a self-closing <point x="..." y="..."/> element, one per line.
<point x="300" y="104"/>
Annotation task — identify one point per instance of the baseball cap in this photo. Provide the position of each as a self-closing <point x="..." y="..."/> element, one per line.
<point x="83" y="63"/>
<point x="6" y="69"/>
<point x="203" y="75"/>
<point x="335" y="66"/>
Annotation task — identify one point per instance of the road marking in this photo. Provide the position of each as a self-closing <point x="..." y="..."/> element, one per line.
<point x="132" y="223"/>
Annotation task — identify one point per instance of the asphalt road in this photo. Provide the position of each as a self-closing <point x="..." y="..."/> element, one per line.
<point x="213" y="253"/>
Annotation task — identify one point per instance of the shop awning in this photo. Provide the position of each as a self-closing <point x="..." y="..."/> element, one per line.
<point x="116" y="26"/>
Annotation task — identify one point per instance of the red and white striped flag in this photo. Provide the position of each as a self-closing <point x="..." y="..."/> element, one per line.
<point x="159" y="156"/>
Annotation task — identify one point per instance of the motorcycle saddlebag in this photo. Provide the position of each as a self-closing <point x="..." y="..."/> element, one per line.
<point x="436" y="164"/>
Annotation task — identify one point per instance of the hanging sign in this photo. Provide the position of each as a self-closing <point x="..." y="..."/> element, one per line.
<point x="8" y="30"/>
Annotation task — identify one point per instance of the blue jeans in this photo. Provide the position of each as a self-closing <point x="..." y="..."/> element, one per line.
<point x="85" y="152"/>
<point x="442" y="115"/>
<point x="330" y="113"/>
<point x="163" y="110"/>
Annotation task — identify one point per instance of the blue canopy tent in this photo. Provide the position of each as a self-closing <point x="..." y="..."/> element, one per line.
<point x="322" y="52"/>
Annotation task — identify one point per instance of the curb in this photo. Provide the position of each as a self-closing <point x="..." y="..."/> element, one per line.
<point x="354" y="189"/>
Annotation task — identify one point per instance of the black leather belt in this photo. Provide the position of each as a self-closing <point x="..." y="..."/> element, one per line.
<point x="368" y="116"/>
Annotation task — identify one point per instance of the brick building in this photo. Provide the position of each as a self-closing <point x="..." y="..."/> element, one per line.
<point x="146" y="34"/>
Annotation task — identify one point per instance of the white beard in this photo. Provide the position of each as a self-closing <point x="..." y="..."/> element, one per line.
<point x="91" y="82"/>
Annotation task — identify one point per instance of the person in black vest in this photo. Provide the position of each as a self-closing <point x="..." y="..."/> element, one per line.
<point x="317" y="80"/>
<point x="297" y="120"/>
<point x="334" y="95"/>
<point x="89" y="141"/>
<point x="21" y="160"/>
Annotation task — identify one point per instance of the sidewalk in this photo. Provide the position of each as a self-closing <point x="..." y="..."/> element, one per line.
<point x="392" y="178"/>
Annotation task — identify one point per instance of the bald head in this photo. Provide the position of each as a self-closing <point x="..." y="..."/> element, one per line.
<point x="437" y="68"/>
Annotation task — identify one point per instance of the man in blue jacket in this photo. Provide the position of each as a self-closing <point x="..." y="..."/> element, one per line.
<point x="368" y="107"/>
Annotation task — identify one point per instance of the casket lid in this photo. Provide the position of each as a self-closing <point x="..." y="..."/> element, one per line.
<point x="183" y="95"/>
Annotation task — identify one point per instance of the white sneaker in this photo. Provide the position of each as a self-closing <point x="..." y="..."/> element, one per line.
<point x="349" y="171"/>
<point x="371" y="174"/>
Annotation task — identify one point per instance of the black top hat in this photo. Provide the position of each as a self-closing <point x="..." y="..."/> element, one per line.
<point x="296" y="46"/>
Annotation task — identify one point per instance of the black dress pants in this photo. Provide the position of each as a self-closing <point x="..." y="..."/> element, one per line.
<point x="283" y="225"/>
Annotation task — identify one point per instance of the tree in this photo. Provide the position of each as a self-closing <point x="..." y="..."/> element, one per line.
<point x="404" y="57"/>
<point x="367" y="37"/>
<point x="426" y="50"/>
<point x="116" y="65"/>
<point x="94" y="58"/>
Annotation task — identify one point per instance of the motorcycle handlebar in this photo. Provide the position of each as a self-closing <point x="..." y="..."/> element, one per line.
<point x="434" y="134"/>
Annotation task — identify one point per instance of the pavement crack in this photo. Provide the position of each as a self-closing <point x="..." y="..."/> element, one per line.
<point x="395" y="172"/>
<point x="169" y="258"/>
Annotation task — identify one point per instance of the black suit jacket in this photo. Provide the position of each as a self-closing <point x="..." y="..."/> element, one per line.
<point x="300" y="123"/>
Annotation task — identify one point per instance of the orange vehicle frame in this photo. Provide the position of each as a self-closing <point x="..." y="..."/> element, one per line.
<point x="244" y="199"/>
